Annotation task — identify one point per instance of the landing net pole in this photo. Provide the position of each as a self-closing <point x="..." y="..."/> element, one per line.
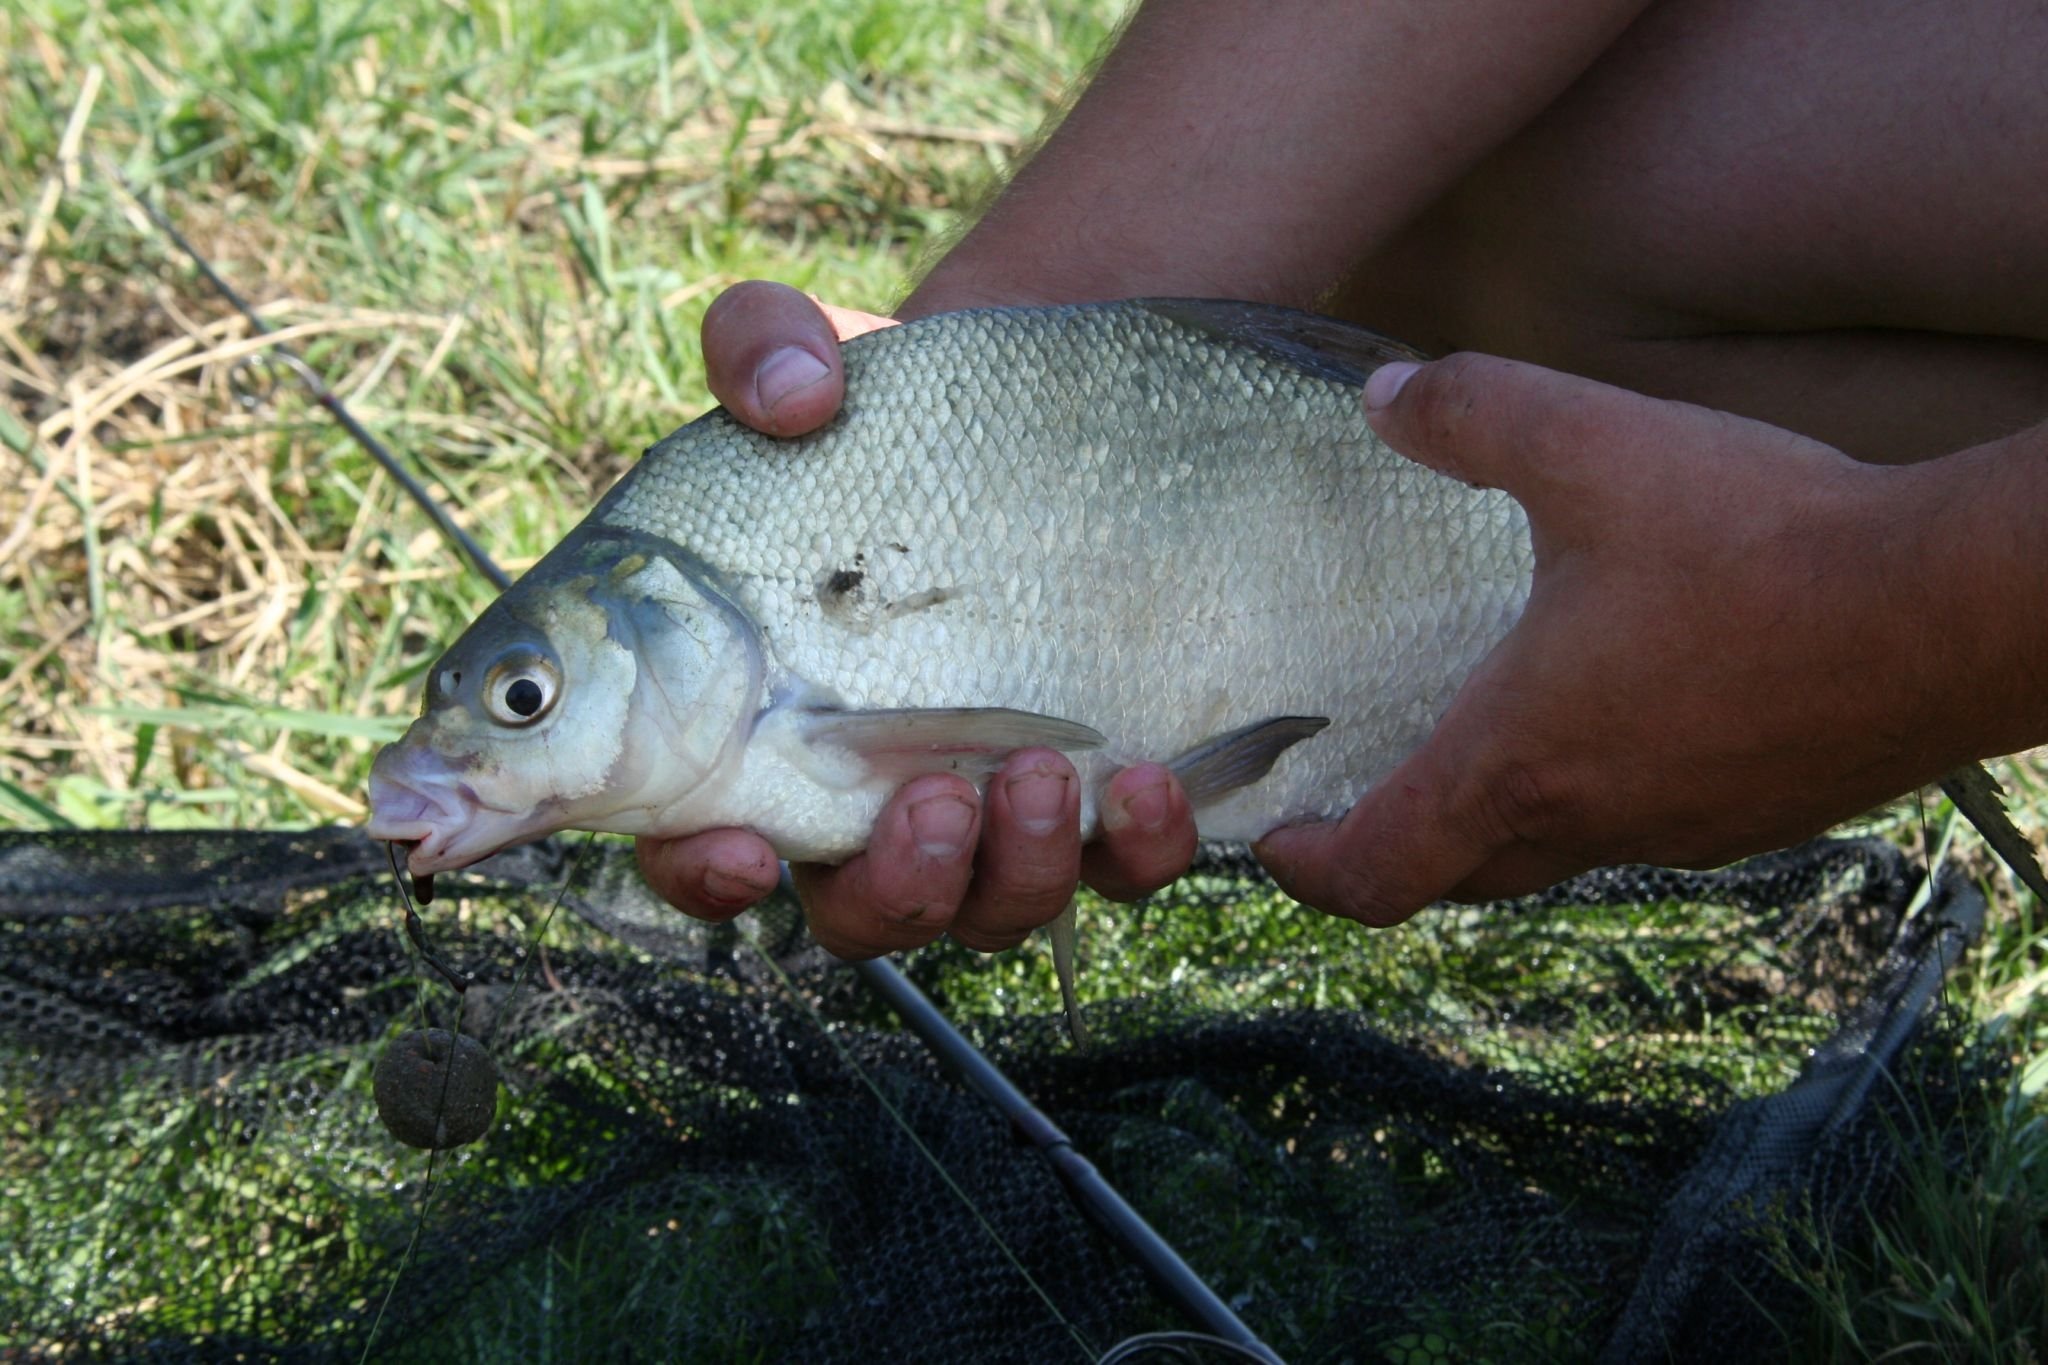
<point x="1125" y="1225"/>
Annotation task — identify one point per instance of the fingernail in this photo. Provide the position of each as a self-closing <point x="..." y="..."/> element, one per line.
<point x="1038" y="799"/>
<point x="724" y="889"/>
<point x="1145" y="808"/>
<point x="1383" y="385"/>
<point x="940" y="824"/>
<point x="788" y="371"/>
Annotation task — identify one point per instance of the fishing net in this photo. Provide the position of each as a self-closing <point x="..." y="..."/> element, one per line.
<point x="1566" y="1128"/>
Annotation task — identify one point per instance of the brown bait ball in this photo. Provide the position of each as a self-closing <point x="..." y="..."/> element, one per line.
<point x="421" y="1103"/>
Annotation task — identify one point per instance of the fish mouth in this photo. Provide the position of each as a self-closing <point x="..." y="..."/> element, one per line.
<point x="416" y="798"/>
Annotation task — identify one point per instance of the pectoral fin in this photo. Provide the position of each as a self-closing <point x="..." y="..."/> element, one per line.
<point x="1217" y="767"/>
<point x="1982" y="801"/>
<point x="1064" y="934"/>
<point x="971" y="741"/>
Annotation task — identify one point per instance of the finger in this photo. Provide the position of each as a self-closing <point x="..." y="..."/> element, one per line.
<point x="712" y="876"/>
<point x="1518" y="870"/>
<point x="1535" y="433"/>
<point x="905" y="890"/>
<point x="1030" y="857"/>
<point x="1407" y="843"/>
<point x="772" y="357"/>
<point x="1148" y="834"/>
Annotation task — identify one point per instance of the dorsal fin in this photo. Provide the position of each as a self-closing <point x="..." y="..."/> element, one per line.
<point x="1328" y="348"/>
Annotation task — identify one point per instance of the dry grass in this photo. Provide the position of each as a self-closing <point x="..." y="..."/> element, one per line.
<point x="492" y="232"/>
<point x="211" y="605"/>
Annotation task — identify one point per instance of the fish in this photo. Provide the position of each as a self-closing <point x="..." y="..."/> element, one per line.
<point x="1134" y="530"/>
<point x="1141" y="530"/>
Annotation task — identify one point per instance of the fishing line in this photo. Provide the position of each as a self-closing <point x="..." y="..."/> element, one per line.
<point x="317" y="388"/>
<point x="460" y="984"/>
<point x="416" y="931"/>
<point x="419" y="1225"/>
<point x="540" y="935"/>
<point x="888" y="1105"/>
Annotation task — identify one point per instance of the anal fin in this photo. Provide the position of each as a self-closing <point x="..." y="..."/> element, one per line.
<point x="1220" y="765"/>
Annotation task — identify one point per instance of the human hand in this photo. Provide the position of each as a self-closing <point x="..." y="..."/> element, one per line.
<point x="1727" y="648"/>
<point x="941" y="859"/>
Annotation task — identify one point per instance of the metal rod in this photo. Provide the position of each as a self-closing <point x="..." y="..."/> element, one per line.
<point x="1097" y="1197"/>
<point x="1125" y="1225"/>
<point x="326" y="397"/>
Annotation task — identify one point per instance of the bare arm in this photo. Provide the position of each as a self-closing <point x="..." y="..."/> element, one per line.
<point x="1259" y="151"/>
<point x="1223" y="149"/>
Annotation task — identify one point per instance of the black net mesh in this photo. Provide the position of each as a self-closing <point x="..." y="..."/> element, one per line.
<point x="1493" y="1134"/>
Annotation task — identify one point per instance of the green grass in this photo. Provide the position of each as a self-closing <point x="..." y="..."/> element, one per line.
<point x="1960" y="1270"/>
<point x="493" y="229"/>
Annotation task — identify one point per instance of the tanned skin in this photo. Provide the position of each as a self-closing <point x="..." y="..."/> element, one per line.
<point x="1753" y="320"/>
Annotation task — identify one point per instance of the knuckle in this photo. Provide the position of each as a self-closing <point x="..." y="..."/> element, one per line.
<point x="921" y="915"/>
<point x="844" y="948"/>
<point x="1361" y="892"/>
<point x="858" y="935"/>
<point x="676" y="872"/>
<point x="852" y="920"/>
<point x="1443" y="396"/>
<point x="1525" y="802"/>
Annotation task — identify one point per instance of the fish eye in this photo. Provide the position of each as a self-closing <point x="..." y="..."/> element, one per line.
<point x="520" y="688"/>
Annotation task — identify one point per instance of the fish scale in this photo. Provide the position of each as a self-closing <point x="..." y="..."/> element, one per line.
<point x="1142" y="525"/>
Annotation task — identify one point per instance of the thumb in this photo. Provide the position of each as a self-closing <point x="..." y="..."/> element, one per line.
<point x="1505" y="424"/>
<point x="1407" y="842"/>
<point x="772" y="358"/>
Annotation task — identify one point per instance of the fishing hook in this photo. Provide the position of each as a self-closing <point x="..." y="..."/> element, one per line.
<point x="415" y="929"/>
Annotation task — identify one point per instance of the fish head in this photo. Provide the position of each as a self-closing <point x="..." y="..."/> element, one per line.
<point x="609" y="688"/>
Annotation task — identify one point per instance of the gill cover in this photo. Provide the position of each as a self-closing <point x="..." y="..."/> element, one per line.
<point x="608" y="689"/>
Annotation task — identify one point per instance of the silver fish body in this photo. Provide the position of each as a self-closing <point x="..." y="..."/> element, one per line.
<point x="1138" y="530"/>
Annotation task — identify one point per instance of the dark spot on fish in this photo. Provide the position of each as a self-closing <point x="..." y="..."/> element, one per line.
<point x="899" y="549"/>
<point x="844" y="581"/>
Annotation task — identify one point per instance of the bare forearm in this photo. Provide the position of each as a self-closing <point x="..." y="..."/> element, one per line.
<point x="1258" y="151"/>
<point x="1982" y="516"/>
